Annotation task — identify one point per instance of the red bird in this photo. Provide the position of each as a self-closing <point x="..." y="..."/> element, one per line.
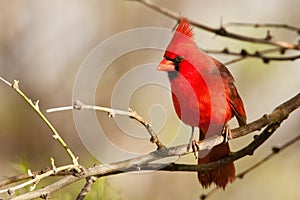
<point x="204" y="96"/>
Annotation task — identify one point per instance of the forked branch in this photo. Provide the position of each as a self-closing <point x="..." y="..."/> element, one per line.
<point x="222" y="31"/>
<point x="271" y="121"/>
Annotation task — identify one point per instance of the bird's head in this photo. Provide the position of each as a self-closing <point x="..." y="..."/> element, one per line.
<point x="180" y="51"/>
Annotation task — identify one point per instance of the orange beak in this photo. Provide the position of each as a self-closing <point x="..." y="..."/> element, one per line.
<point x="166" y="65"/>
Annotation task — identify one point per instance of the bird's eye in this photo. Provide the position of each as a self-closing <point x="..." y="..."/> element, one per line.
<point x="178" y="59"/>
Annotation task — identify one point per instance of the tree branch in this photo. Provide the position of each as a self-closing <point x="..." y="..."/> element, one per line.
<point x="264" y="25"/>
<point x="275" y="150"/>
<point x="220" y="31"/>
<point x="272" y="121"/>
<point x="35" y="178"/>
<point x="279" y="114"/>
<point x="258" y="54"/>
<point x="35" y="107"/>
<point x="87" y="187"/>
<point x="78" y="105"/>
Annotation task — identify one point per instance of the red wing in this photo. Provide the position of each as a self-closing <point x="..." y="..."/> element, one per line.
<point x="233" y="97"/>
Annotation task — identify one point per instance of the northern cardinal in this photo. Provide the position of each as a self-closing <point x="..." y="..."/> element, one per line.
<point x="204" y="96"/>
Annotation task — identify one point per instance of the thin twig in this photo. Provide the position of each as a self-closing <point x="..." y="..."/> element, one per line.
<point x="87" y="187"/>
<point x="275" y="150"/>
<point x="220" y="31"/>
<point x="271" y="50"/>
<point x="279" y="113"/>
<point x="37" y="177"/>
<point x="78" y="105"/>
<point x="258" y="54"/>
<point x="14" y="179"/>
<point x="22" y="177"/>
<point x="264" y="25"/>
<point x="36" y="108"/>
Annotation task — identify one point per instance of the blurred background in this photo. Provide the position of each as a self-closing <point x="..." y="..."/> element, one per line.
<point x="43" y="43"/>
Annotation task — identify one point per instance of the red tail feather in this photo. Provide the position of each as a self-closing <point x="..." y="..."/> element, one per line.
<point x="220" y="176"/>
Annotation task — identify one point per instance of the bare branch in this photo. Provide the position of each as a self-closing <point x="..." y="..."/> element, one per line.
<point x="87" y="187"/>
<point x="258" y="54"/>
<point x="262" y="52"/>
<point x="280" y="113"/>
<point x="37" y="177"/>
<point x="78" y="105"/>
<point x="272" y="121"/>
<point x="264" y="25"/>
<point x="220" y="31"/>
<point x="14" y="179"/>
<point x="35" y="107"/>
<point x="46" y="191"/>
<point x="135" y="164"/>
<point x="275" y="150"/>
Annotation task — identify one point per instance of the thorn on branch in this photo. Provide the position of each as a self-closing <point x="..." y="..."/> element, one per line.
<point x="244" y="53"/>
<point x="30" y="173"/>
<point x="276" y="149"/>
<point x="221" y="31"/>
<point x="11" y="191"/>
<point x="16" y="84"/>
<point x="266" y="60"/>
<point x="282" y="51"/>
<point x="269" y="36"/>
<point x="111" y="114"/>
<point x="225" y="50"/>
<point x="55" y="137"/>
<point x="36" y="104"/>
<point x="241" y="176"/>
<point x="257" y="53"/>
<point x="255" y="136"/>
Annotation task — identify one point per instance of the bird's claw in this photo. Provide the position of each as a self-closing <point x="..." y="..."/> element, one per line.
<point x="226" y="133"/>
<point x="194" y="146"/>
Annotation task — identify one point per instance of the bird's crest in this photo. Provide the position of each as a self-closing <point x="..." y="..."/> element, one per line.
<point x="185" y="28"/>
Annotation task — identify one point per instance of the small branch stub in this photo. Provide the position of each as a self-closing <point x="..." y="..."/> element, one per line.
<point x="16" y="84"/>
<point x="78" y="105"/>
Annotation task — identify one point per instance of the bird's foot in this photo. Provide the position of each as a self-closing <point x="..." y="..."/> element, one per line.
<point x="194" y="145"/>
<point x="226" y="133"/>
